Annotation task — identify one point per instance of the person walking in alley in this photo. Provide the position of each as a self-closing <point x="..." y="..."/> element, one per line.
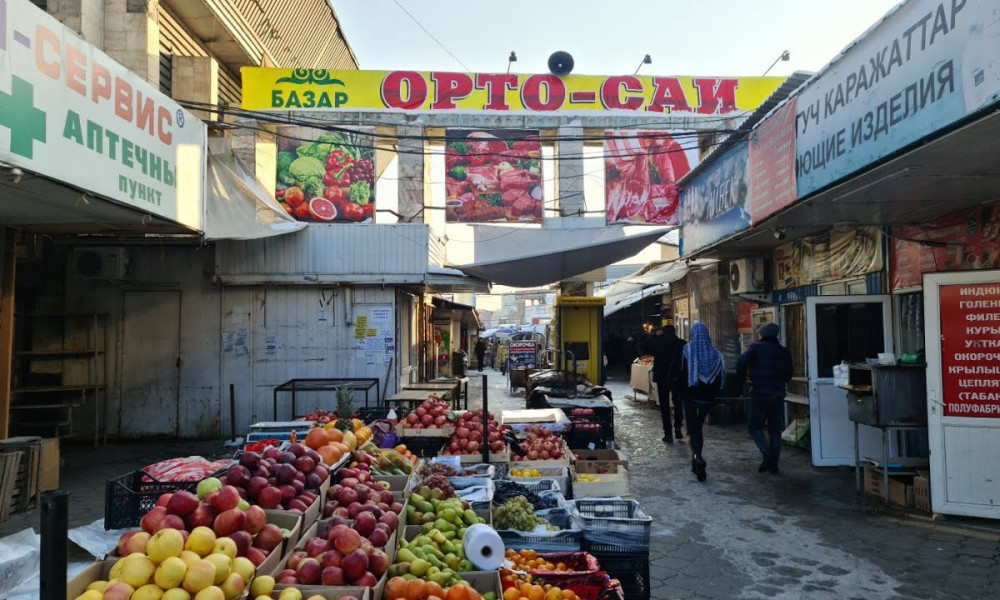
<point x="704" y="372"/>
<point x="666" y="349"/>
<point x="480" y="350"/>
<point x="768" y="365"/>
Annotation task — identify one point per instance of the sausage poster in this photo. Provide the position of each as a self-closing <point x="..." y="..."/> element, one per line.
<point x="641" y="169"/>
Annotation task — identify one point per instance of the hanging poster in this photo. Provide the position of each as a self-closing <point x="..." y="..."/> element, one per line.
<point x="772" y="164"/>
<point x="493" y="176"/>
<point x="713" y="204"/>
<point x="828" y="257"/>
<point x="967" y="241"/>
<point x="641" y="169"/>
<point x="522" y="355"/>
<point x="970" y="357"/>
<point x="326" y="176"/>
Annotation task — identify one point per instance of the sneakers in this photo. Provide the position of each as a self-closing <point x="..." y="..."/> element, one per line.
<point x="773" y="468"/>
<point x="699" y="469"/>
<point x="668" y="439"/>
<point x="765" y="465"/>
<point x="678" y="435"/>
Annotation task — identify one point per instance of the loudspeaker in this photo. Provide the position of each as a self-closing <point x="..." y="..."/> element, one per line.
<point x="560" y="63"/>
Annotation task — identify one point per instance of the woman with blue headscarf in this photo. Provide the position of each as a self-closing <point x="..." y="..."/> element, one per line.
<point x="705" y="374"/>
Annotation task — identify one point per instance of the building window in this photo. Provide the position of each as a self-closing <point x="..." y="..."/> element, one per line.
<point x="910" y="311"/>
<point x="166" y="67"/>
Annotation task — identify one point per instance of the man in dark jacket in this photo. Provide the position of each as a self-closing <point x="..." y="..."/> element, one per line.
<point x="666" y="349"/>
<point x="768" y="364"/>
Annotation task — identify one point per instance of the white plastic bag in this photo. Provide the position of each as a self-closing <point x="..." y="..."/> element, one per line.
<point x="841" y="374"/>
<point x="19" y="559"/>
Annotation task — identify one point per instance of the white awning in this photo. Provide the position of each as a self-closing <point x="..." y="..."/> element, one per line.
<point x="237" y="207"/>
<point x="522" y="257"/>
<point x="629" y="300"/>
<point x="653" y="274"/>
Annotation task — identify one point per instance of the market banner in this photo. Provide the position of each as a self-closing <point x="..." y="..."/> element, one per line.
<point x="966" y="241"/>
<point x="713" y="204"/>
<point x="772" y="164"/>
<point x="493" y="176"/>
<point x="928" y="64"/>
<point x="828" y="257"/>
<point x="511" y="93"/>
<point x="970" y="375"/>
<point x="641" y="169"/>
<point x="326" y="176"/>
<point x="70" y="112"/>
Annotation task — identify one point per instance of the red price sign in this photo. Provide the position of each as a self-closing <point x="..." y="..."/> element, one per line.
<point x="970" y="350"/>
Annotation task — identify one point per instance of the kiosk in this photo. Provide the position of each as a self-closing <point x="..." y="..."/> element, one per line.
<point x="579" y="339"/>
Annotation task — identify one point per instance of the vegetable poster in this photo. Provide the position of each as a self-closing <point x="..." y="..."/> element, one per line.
<point x="326" y="176"/>
<point x="641" y="169"/>
<point x="493" y="176"/>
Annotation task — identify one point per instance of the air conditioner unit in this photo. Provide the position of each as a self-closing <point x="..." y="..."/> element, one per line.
<point x="90" y="262"/>
<point x="746" y="275"/>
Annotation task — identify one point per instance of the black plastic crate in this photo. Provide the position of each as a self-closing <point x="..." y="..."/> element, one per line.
<point x="614" y="526"/>
<point x="424" y="447"/>
<point x="129" y="497"/>
<point x="631" y="570"/>
<point x="374" y="413"/>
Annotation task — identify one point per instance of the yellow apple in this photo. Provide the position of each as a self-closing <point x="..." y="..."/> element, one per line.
<point x="201" y="541"/>
<point x="98" y="586"/>
<point x="210" y="593"/>
<point x="225" y="546"/>
<point x="137" y="570"/>
<point x="90" y="595"/>
<point x="164" y="544"/>
<point x="199" y="576"/>
<point x="290" y="594"/>
<point x="262" y="586"/>
<point x="223" y="566"/>
<point x="176" y="594"/>
<point x="244" y="567"/>
<point x="189" y="558"/>
<point x="150" y="591"/>
<point x="170" y="573"/>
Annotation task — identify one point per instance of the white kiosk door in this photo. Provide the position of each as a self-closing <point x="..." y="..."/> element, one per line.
<point x="842" y="328"/>
<point x="962" y="333"/>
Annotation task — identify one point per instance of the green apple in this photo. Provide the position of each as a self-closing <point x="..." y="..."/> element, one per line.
<point x="207" y="486"/>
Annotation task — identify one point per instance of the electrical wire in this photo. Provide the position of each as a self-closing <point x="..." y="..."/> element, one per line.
<point x="430" y="35"/>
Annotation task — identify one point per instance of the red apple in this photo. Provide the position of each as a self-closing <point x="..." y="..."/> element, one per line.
<point x="309" y="571"/>
<point x="295" y="558"/>
<point x="182" y="503"/>
<point x="163" y="500"/>
<point x="366" y="580"/>
<point x="378" y="563"/>
<point x="203" y="516"/>
<point x="331" y="558"/>
<point x="269" y="497"/>
<point x="171" y="522"/>
<point x="378" y="538"/>
<point x="316" y="546"/>
<point x="355" y="564"/>
<point x="269" y="537"/>
<point x="365" y="523"/>
<point x="151" y="521"/>
<point x="256" y="519"/>
<point x="243" y="541"/>
<point x="333" y="576"/>
<point x="347" y="541"/>
<point x="230" y="521"/>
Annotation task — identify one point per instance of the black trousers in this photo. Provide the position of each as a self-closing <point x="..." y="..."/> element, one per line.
<point x="670" y="393"/>
<point x="697" y="412"/>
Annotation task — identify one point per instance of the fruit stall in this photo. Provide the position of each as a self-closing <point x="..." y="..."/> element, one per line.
<point x="337" y="508"/>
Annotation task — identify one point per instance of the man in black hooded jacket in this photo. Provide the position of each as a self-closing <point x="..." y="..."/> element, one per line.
<point x="666" y="349"/>
<point x="768" y="364"/>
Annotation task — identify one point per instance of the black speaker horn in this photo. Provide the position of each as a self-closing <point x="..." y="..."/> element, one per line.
<point x="560" y="63"/>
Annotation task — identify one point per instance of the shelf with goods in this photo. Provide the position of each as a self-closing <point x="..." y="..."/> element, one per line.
<point x="60" y="366"/>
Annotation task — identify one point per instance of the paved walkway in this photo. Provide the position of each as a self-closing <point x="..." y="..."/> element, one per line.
<point x="803" y="534"/>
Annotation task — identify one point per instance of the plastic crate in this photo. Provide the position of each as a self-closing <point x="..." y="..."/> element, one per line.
<point x="424" y="447"/>
<point x="375" y="413"/>
<point x="631" y="570"/>
<point x="613" y="526"/>
<point x="564" y="540"/>
<point x="129" y="497"/>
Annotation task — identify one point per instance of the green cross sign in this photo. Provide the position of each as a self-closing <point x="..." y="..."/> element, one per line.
<point x="18" y="113"/>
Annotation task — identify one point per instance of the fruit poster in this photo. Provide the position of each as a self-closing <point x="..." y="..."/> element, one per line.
<point x="641" y="169"/>
<point x="493" y="176"/>
<point x="326" y="176"/>
<point x="967" y="241"/>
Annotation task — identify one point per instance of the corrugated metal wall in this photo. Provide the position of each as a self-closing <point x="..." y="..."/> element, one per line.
<point x="176" y="40"/>
<point x="378" y="251"/>
<point x="298" y="33"/>
<point x="293" y="333"/>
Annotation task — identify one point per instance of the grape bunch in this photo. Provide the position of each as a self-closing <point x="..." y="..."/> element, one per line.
<point x="362" y="170"/>
<point x="518" y="514"/>
<point x="506" y="490"/>
<point x="438" y="481"/>
<point x="429" y="469"/>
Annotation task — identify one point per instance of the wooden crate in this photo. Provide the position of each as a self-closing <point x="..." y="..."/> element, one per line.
<point x="9" y="464"/>
<point x="25" y="493"/>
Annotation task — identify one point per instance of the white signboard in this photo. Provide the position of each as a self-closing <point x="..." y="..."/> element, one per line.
<point x="69" y="112"/>
<point x="927" y="65"/>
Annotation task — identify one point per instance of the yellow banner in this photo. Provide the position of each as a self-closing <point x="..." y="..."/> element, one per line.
<point x="321" y="89"/>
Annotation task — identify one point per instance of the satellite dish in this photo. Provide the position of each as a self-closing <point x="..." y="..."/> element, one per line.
<point x="560" y="63"/>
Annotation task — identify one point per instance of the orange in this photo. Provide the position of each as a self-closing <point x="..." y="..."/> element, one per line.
<point x="416" y="589"/>
<point x="329" y="453"/>
<point x="553" y="594"/>
<point x="357" y="424"/>
<point x="335" y="435"/>
<point x="396" y="588"/>
<point x="511" y="594"/>
<point x="433" y="589"/>
<point x="316" y="438"/>
<point x="568" y="595"/>
<point x="342" y="447"/>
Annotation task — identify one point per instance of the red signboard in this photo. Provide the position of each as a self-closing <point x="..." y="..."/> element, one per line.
<point x="772" y="165"/>
<point x="970" y="350"/>
<point x="744" y="316"/>
<point x="968" y="241"/>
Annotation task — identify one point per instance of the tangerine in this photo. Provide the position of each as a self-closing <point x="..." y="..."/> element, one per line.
<point x="334" y="434"/>
<point x="434" y="589"/>
<point x="396" y="588"/>
<point x="416" y="589"/>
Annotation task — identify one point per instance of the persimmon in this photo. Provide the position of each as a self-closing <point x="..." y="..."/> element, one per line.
<point x="416" y="589"/>
<point x="511" y="594"/>
<point x="335" y="435"/>
<point x="329" y="453"/>
<point x="461" y="592"/>
<point x="434" y="589"/>
<point x="317" y="438"/>
<point x="396" y="588"/>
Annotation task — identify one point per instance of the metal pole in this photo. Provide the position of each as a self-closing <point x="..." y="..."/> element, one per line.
<point x="232" y="410"/>
<point x="55" y="525"/>
<point x="486" y="423"/>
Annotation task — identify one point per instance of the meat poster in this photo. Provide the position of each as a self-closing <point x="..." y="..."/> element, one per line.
<point x="970" y="350"/>
<point x="493" y="176"/>
<point x="641" y="169"/>
<point x="772" y="164"/>
<point x="971" y="241"/>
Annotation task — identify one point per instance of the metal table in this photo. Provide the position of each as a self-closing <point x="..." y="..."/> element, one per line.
<point x="439" y="387"/>
<point x="885" y="454"/>
<point x="356" y="384"/>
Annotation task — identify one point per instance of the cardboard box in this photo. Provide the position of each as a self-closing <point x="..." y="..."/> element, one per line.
<point x="922" y="491"/>
<point x="439" y="432"/>
<point x="397" y="483"/>
<point x="484" y="581"/>
<point x="610" y="484"/>
<point x="293" y="523"/>
<point x="411" y="531"/>
<point x="96" y="572"/>
<point x="611" y="458"/>
<point x="900" y="492"/>
<point x="565" y="461"/>
<point x="327" y="593"/>
<point x="48" y="469"/>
